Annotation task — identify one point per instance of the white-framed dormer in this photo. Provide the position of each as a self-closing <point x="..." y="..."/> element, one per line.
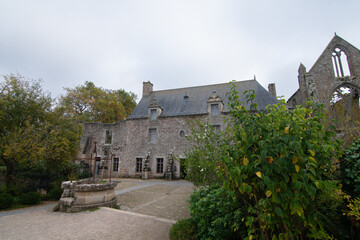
<point x="215" y="105"/>
<point x="154" y="110"/>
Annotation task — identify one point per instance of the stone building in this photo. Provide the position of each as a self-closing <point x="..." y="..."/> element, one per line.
<point x="154" y="134"/>
<point x="334" y="78"/>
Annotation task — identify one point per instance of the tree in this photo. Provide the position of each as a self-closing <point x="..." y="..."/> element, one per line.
<point x="31" y="134"/>
<point x="93" y="104"/>
<point x="24" y="106"/>
<point x="201" y="168"/>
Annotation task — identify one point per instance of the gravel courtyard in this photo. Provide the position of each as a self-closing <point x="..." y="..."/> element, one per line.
<point x="148" y="210"/>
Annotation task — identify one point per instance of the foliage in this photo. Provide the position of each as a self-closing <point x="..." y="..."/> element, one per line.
<point x="278" y="166"/>
<point x="30" y="198"/>
<point x="33" y="137"/>
<point x="6" y="200"/>
<point x="94" y="104"/>
<point x="354" y="211"/>
<point x="55" y="193"/>
<point x="215" y="210"/>
<point x="183" y="229"/>
<point x="201" y="166"/>
<point x="330" y="209"/>
<point x="350" y="169"/>
<point x="23" y="108"/>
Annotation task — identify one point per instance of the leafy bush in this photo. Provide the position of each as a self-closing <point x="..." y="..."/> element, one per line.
<point x="55" y="193"/>
<point x="354" y="214"/>
<point x="276" y="165"/>
<point x="350" y="169"/>
<point x="30" y="198"/>
<point x="183" y="230"/>
<point x="279" y="165"/>
<point x="6" y="200"/>
<point x="216" y="213"/>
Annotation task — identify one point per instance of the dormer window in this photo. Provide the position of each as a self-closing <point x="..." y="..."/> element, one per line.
<point x="214" y="109"/>
<point x="215" y="104"/>
<point x="153" y="114"/>
<point x="340" y="63"/>
<point x="154" y="110"/>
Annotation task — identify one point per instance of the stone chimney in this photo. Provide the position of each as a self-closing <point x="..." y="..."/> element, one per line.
<point x="147" y="88"/>
<point x="272" y="89"/>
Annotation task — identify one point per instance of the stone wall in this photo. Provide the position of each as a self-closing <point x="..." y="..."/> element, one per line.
<point x="131" y="140"/>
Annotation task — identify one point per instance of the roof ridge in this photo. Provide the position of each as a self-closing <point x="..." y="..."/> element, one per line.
<point x="200" y="86"/>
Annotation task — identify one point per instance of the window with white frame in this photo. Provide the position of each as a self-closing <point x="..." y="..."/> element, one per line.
<point x="138" y="165"/>
<point x="116" y="165"/>
<point x="159" y="165"/>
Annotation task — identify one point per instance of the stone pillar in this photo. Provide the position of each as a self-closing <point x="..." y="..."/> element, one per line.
<point x="169" y="167"/>
<point x="146" y="170"/>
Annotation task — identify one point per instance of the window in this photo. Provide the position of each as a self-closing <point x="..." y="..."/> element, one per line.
<point x="182" y="134"/>
<point x="108" y="137"/>
<point x="217" y="128"/>
<point x="159" y="165"/>
<point x="340" y="63"/>
<point x="116" y="165"/>
<point x="138" y="165"/>
<point x="153" y="114"/>
<point x="152" y="135"/>
<point x="214" y="109"/>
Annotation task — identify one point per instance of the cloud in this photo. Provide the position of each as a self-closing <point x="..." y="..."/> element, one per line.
<point x="120" y="44"/>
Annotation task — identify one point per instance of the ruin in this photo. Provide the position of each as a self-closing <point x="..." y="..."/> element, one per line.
<point x="334" y="76"/>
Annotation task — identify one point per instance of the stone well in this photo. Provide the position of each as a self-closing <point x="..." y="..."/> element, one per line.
<point x="81" y="195"/>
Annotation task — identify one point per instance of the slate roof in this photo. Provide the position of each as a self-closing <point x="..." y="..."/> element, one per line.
<point x="173" y="103"/>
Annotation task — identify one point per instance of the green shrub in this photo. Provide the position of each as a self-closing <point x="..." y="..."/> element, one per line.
<point x="350" y="169"/>
<point x="30" y="198"/>
<point x="278" y="164"/>
<point x="184" y="229"/>
<point x="55" y="193"/>
<point x="274" y="165"/>
<point x="216" y="214"/>
<point x="6" y="200"/>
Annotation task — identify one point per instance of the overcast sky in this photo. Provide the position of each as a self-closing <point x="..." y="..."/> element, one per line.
<point x="174" y="44"/>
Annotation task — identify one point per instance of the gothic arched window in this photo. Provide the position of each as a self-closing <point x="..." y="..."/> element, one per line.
<point x="340" y="63"/>
<point x="344" y="104"/>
